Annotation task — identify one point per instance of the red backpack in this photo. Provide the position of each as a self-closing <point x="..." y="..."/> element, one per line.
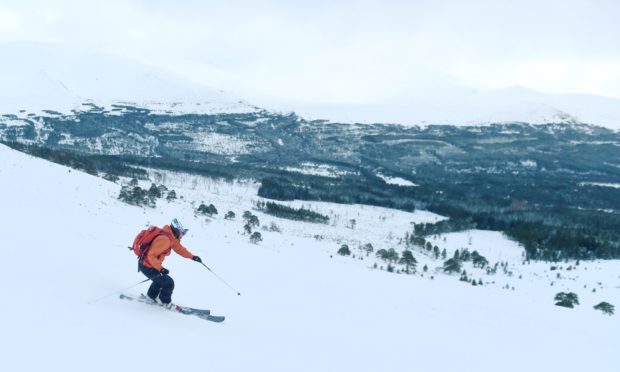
<point x="142" y="242"/>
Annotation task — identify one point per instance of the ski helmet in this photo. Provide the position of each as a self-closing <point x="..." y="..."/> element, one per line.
<point x="177" y="228"/>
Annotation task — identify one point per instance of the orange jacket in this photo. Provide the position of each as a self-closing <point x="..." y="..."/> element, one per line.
<point x="160" y="248"/>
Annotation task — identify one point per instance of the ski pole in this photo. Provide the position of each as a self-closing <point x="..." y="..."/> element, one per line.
<point x="119" y="291"/>
<point x="217" y="276"/>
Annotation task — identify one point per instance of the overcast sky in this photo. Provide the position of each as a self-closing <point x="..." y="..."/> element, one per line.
<point x="344" y="51"/>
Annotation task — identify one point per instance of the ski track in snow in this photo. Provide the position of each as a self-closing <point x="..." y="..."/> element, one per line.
<point x="302" y="308"/>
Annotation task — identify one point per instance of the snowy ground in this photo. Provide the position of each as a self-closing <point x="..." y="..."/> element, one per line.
<point x="302" y="307"/>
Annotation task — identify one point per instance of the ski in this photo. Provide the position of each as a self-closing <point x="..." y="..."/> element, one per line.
<point x="178" y="308"/>
<point x="201" y="313"/>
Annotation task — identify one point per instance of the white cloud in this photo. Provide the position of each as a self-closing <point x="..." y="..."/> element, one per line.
<point x="345" y="51"/>
<point x="10" y="21"/>
<point x="601" y="77"/>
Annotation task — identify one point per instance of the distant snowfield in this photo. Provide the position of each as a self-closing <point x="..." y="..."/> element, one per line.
<point x="218" y="143"/>
<point x="396" y="181"/>
<point x="324" y="170"/>
<point x="302" y="308"/>
<point x="601" y="184"/>
<point x="491" y="244"/>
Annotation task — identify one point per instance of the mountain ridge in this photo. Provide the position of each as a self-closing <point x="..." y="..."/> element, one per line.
<point x="58" y="77"/>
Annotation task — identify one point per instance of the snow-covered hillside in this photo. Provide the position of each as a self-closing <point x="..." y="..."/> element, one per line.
<point x="513" y="104"/>
<point x="302" y="308"/>
<point x="57" y="77"/>
<point x="38" y="77"/>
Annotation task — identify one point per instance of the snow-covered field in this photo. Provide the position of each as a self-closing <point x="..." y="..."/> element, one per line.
<point x="302" y="308"/>
<point x="318" y="170"/>
<point x="396" y="181"/>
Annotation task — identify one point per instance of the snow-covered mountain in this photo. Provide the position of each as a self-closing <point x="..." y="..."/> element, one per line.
<point x="472" y="107"/>
<point x="45" y="76"/>
<point x="302" y="308"/>
<point x="42" y="76"/>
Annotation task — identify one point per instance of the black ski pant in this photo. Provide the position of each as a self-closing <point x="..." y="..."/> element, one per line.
<point x="162" y="285"/>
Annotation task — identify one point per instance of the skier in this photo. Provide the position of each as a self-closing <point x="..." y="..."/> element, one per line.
<point x="151" y="265"/>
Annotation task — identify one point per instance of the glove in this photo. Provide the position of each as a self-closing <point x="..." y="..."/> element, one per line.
<point x="164" y="271"/>
<point x="197" y="259"/>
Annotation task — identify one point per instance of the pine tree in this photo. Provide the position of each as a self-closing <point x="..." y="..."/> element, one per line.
<point x="464" y="277"/>
<point x="564" y="299"/>
<point x="368" y="248"/>
<point x="605" y="307"/>
<point x="135" y="195"/>
<point x="344" y="250"/>
<point x="247" y="229"/>
<point x="172" y="195"/>
<point x="211" y="209"/>
<point x="392" y="255"/>
<point x="256" y="237"/>
<point x="451" y="266"/>
<point x="154" y="192"/>
<point x="465" y="255"/>
<point x="382" y="254"/>
<point x="202" y="209"/>
<point x="478" y="260"/>
<point x="408" y="260"/>
<point x="253" y="221"/>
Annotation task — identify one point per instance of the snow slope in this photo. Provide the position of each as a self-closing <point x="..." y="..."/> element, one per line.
<point x="58" y="77"/>
<point x="302" y="307"/>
